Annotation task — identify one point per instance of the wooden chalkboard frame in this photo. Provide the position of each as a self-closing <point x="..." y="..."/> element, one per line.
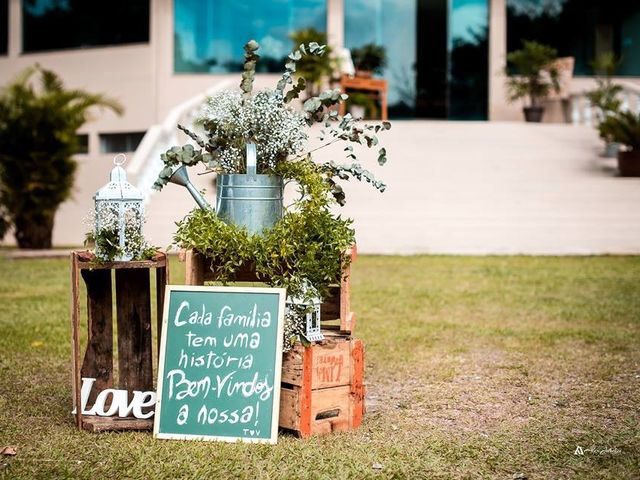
<point x="273" y="437"/>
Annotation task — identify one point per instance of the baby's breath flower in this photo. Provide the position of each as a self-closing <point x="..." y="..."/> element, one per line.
<point x="105" y="226"/>
<point x="277" y="129"/>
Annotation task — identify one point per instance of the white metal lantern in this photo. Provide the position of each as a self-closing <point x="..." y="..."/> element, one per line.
<point x="119" y="214"/>
<point x="312" y="316"/>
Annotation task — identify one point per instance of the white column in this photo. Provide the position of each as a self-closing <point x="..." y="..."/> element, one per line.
<point x="497" y="57"/>
<point x="335" y="23"/>
<point x="15" y="29"/>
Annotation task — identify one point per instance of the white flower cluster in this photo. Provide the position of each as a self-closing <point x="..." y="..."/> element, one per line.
<point x="264" y="119"/>
<point x="295" y="326"/>
<point x="106" y="232"/>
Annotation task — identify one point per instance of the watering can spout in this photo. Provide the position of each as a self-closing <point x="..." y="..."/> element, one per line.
<point x="180" y="177"/>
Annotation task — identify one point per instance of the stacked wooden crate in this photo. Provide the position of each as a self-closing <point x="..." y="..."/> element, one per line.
<point x="132" y="285"/>
<point x="322" y="385"/>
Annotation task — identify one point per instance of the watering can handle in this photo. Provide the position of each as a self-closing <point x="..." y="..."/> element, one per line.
<point x="251" y="159"/>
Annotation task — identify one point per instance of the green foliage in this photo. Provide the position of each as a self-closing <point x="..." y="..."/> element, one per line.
<point x="370" y="58"/>
<point x="179" y="155"/>
<point x="623" y="127"/>
<point x="307" y="244"/>
<point x="605" y="96"/>
<point x="535" y="76"/>
<point x="38" y="124"/>
<point x="315" y="68"/>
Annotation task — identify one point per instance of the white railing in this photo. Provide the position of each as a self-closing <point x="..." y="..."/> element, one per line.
<point x="583" y="113"/>
<point x="146" y="163"/>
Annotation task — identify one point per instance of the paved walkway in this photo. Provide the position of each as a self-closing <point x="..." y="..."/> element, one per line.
<point x="455" y="187"/>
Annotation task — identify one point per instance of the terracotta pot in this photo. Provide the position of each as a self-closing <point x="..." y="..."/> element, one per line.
<point x="629" y="163"/>
<point x="533" y="114"/>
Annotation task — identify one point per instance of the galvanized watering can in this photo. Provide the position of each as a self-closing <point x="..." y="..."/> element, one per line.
<point x="250" y="200"/>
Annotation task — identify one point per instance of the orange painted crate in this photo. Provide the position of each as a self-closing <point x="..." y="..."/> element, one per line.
<point x="323" y="387"/>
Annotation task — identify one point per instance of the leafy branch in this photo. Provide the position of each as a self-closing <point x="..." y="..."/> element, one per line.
<point x="313" y="48"/>
<point x="249" y="68"/>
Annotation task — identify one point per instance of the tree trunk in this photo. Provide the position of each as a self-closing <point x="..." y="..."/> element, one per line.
<point x="34" y="230"/>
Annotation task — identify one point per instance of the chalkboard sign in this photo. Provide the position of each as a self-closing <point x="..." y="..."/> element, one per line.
<point x="220" y="364"/>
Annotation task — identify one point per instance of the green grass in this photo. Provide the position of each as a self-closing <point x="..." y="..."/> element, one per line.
<point x="483" y="367"/>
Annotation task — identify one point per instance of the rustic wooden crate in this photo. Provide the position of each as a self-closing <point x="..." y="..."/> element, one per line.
<point x="133" y="314"/>
<point x="336" y="311"/>
<point x="322" y="387"/>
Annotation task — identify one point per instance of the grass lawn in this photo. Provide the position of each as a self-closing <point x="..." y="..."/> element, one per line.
<point x="483" y="367"/>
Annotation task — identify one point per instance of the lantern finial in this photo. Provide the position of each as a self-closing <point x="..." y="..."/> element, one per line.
<point x="119" y="159"/>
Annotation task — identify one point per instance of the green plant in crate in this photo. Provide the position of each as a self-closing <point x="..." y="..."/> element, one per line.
<point x="307" y="245"/>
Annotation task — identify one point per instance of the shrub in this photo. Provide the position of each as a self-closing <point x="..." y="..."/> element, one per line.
<point x="38" y="125"/>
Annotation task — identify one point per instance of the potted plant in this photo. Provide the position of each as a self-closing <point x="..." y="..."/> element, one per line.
<point x="624" y="128"/>
<point x="535" y="77"/>
<point x="305" y="246"/>
<point x="369" y="59"/>
<point x="361" y="105"/>
<point x="604" y="98"/>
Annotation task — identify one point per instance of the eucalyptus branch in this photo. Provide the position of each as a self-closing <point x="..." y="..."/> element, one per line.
<point x="249" y="68"/>
<point x="313" y="48"/>
<point x="193" y="136"/>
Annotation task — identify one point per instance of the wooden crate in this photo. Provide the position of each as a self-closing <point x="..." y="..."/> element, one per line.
<point x="336" y="311"/>
<point x="134" y="341"/>
<point x="322" y="387"/>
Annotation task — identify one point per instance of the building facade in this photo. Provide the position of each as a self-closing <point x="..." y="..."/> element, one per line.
<point x="446" y="58"/>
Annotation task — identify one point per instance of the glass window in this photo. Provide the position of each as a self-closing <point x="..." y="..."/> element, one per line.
<point x="65" y="24"/>
<point x="468" y="59"/>
<point x="437" y="53"/>
<point x="579" y="28"/>
<point x="210" y="34"/>
<point x="120" y="142"/>
<point x="392" y="24"/>
<point x="4" y="26"/>
<point x="83" y="143"/>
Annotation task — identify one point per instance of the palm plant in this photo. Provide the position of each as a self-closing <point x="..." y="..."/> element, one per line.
<point x="605" y="96"/>
<point x="38" y="125"/>
<point x="535" y="76"/>
<point x="623" y="128"/>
